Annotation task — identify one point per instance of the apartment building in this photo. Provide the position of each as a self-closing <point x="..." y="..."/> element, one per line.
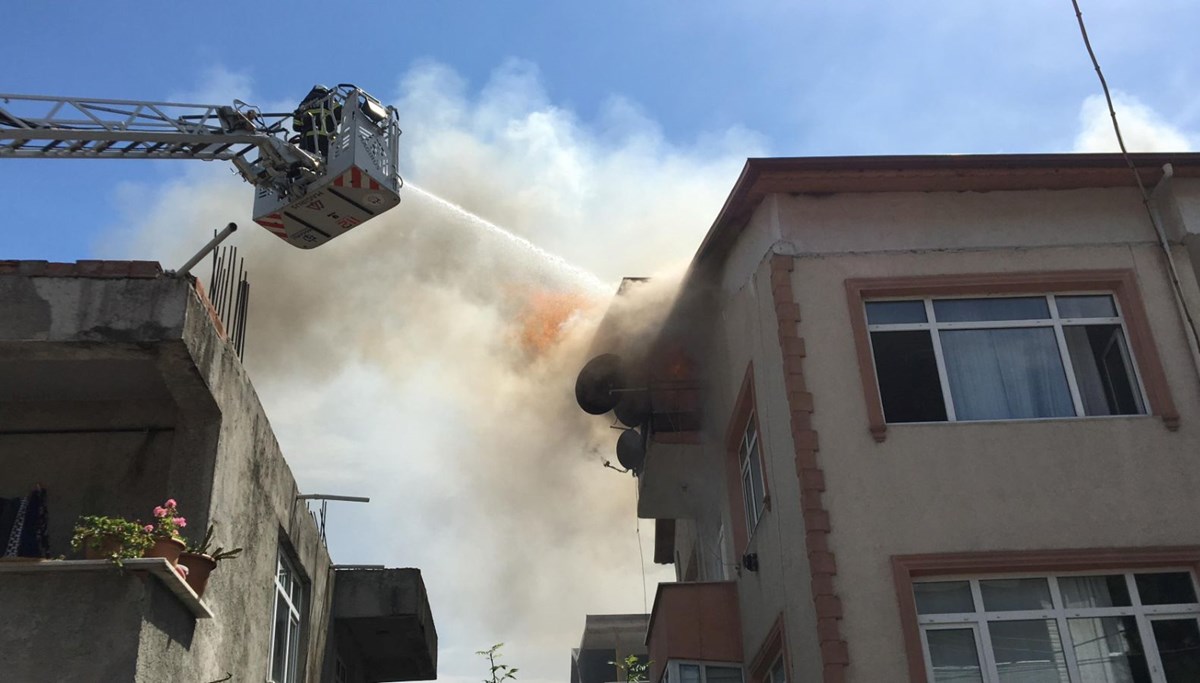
<point x="118" y="390"/>
<point x="607" y="641"/>
<point x="926" y="419"/>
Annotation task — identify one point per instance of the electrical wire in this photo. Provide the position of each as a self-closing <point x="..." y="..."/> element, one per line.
<point x="1137" y="176"/>
<point x="637" y="521"/>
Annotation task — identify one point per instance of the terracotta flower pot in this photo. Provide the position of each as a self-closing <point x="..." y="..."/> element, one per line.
<point x="199" y="567"/>
<point x="167" y="548"/>
<point x="109" y="546"/>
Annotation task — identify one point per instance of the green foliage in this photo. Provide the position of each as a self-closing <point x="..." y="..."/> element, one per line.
<point x="498" y="672"/>
<point x="93" y="531"/>
<point x="635" y="669"/>
<point x="204" y="547"/>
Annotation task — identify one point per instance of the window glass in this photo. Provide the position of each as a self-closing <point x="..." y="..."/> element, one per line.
<point x="285" y="635"/>
<point x="1094" y="306"/>
<point x="1103" y="370"/>
<point x="953" y="657"/>
<point x="1028" y="651"/>
<point x="944" y="597"/>
<point x="748" y="501"/>
<point x="753" y="488"/>
<point x="1002" y="595"/>
<point x="689" y="673"/>
<point x="279" y="645"/>
<point x="1109" y="650"/>
<point x="894" y="312"/>
<point x="722" y="674"/>
<point x="907" y="371"/>
<point x="1024" y="632"/>
<point x="967" y="310"/>
<point x="1006" y="373"/>
<point x="1174" y="588"/>
<point x="1094" y="591"/>
<point x="1178" y="642"/>
<point x="778" y="673"/>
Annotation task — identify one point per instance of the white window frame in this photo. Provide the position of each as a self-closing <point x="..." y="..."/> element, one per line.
<point x="977" y="621"/>
<point x="295" y="624"/>
<point x="1054" y="321"/>
<point x="671" y="670"/>
<point x="750" y="446"/>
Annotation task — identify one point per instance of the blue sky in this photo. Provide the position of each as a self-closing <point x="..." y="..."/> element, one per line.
<point x="852" y="77"/>
<point x="608" y="133"/>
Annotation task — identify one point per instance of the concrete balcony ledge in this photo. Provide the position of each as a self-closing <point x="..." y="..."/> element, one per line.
<point x="384" y="616"/>
<point x="80" y="621"/>
<point x="694" y="621"/>
<point x="157" y="567"/>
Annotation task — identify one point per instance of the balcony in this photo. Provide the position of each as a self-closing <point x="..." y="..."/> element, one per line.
<point x="382" y="626"/>
<point x="694" y="621"/>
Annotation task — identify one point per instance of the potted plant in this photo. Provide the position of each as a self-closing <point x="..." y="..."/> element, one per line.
<point x="200" y="560"/>
<point x="167" y="543"/>
<point x="110" y="538"/>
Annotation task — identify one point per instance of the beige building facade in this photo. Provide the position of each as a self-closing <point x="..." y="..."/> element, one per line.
<point x="947" y="425"/>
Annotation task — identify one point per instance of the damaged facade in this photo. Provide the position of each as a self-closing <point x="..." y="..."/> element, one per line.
<point x="118" y="390"/>
<point x="929" y="419"/>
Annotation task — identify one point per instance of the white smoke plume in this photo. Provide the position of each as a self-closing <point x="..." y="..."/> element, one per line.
<point x="428" y="362"/>
<point x="1142" y="128"/>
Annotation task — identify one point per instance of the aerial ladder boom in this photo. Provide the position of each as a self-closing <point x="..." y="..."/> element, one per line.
<point x="306" y="196"/>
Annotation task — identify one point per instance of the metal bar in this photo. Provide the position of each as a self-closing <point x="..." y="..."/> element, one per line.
<point x="327" y="496"/>
<point x="229" y="230"/>
<point x="245" y="318"/>
<point x="86" y="430"/>
<point x="216" y="290"/>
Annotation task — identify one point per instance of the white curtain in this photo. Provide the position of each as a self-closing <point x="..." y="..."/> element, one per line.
<point x="1006" y="373"/>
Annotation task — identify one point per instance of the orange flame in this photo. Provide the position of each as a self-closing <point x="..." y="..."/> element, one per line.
<point x="543" y="320"/>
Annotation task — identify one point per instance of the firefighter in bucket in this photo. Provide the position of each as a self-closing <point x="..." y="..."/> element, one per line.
<point x="316" y="120"/>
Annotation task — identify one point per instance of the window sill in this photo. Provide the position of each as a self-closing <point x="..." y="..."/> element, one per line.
<point x="156" y="566"/>
<point x="1023" y="420"/>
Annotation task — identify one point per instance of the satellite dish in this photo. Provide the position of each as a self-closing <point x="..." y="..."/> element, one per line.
<point x="633" y="410"/>
<point x="631" y="450"/>
<point x="597" y="382"/>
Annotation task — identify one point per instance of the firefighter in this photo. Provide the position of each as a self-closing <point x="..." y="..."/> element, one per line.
<point x="316" y="121"/>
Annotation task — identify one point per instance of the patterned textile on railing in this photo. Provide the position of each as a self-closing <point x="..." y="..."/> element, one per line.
<point x="23" y="525"/>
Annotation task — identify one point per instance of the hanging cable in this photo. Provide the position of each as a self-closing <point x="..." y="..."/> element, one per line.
<point x="1177" y="288"/>
<point x="637" y="495"/>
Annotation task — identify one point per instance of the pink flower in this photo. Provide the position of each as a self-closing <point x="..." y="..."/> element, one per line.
<point x="160" y="512"/>
<point x="170" y="503"/>
<point x="149" y="528"/>
<point x="183" y="571"/>
<point x="180" y="522"/>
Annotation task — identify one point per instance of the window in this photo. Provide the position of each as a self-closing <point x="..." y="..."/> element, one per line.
<point x="1139" y="627"/>
<point x="1002" y="358"/>
<point x="286" y="628"/>
<point x="777" y="673"/>
<point x="696" y="672"/>
<point x="754" y="496"/>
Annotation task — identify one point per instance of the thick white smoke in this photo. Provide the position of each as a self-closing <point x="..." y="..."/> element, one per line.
<point x="429" y="363"/>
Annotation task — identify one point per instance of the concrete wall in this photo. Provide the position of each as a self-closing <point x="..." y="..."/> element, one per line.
<point x="254" y="506"/>
<point x="212" y="449"/>
<point x="951" y="487"/>
<point x="54" y="628"/>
